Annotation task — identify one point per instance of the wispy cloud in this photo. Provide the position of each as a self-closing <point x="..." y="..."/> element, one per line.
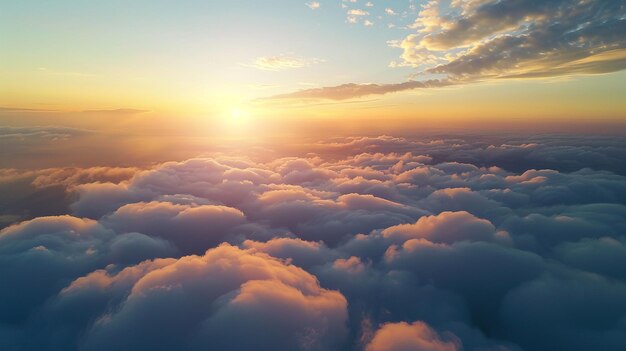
<point x="313" y="5"/>
<point x="22" y="109"/>
<point x="118" y="111"/>
<point x="40" y="132"/>
<point x="353" y="90"/>
<point x="282" y="62"/>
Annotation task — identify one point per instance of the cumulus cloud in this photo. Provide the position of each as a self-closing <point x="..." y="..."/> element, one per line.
<point x="417" y="336"/>
<point x="191" y="228"/>
<point x="226" y="299"/>
<point x="447" y="227"/>
<point x="40" y="256"/>
<point x="390" y="11"/>
<point x="581" y="297"/>
<point x="300" y="252"/>
<point x="438" y="242"/>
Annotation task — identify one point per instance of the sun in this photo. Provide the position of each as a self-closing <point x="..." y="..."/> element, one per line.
<point x="236" y="113"/>
<point x="236" y="120"/>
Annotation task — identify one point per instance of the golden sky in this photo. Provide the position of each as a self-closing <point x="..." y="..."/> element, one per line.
<point x="245" y="63"/>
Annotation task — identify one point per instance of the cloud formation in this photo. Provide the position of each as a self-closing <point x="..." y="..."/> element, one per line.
<point x="352" y="90"/>
<point x="313" y="5"/>
<point x="282" y="62"/>
<point x="26" y="134"/>
<point x="417" y="336"/>
<point x="199" y="302"/>
<point x="470" y="41"/>
<point x="363" y="243"/>
<point x="117" y="111"/>
<point x="505" y="39"/>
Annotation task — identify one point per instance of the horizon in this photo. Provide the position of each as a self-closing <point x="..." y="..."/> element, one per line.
<point x="313" y="175"/>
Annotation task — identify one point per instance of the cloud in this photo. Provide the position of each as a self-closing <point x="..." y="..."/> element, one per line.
<point x="447" y="227"/>
<point x="192" y="229"/>
<point x="604" y="256"/>
<point x="473" y="41"/>
<point x="23" y="109"/>
<point x="496" y="242"/>
<point x="300" y="252"/>
<point x="417" y="336"/>
<point x="390" y="11"/>
<point x="357" y="12"/>
<point x="226" y="299"/>
<point x="52" y="251"/>
<point x="352" y="90"/>
<point x="579" y="296"/>
<point x="282" y="62"/>
<point x="313" y="5"/>
<point x="534" y="39"/>
<point x="71" y="177"/>
<point x="40" y="132"/>
<point x="118" y="111"/>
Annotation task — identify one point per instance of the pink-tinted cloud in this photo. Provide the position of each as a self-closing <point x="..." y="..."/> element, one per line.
<point x="417" y="336"/>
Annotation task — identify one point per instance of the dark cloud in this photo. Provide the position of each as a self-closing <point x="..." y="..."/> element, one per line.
<point x="47" y="192"/>
<point x="582" y="311"/>
<point x="364" y="243"/>
<point x="50" y="252"/>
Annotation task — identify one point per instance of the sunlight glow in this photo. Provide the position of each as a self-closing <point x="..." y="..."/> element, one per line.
<point x="236" y="113"/>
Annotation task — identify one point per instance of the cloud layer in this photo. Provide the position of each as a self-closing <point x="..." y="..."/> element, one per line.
<point x="364" y="243"/>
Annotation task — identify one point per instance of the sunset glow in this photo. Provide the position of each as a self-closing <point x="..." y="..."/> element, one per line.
<point x="331" y="175"/>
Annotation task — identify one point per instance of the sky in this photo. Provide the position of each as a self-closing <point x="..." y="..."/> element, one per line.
<point x="440" y="64"/>
<point x="299" y="175"/>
